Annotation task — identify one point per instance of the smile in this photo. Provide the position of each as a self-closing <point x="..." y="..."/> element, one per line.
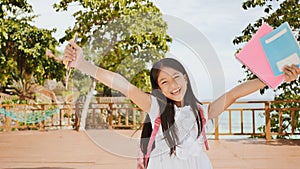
<point x="176" y="92"/>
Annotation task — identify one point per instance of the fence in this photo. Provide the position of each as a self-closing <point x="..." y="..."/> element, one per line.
<point x="36" y="116"/>
<point x="242" y="118"/>
<point x="124" y="115"/>
<point x="259" y="115"/>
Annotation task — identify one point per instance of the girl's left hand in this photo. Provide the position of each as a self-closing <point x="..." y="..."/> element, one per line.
<point x="291" y="72"/>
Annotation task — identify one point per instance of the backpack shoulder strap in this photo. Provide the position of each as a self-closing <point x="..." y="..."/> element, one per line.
<point x="203" y="122"/>
<point x="152" y="138"/>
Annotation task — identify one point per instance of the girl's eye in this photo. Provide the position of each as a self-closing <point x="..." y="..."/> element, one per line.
<point x="164" y="82"/>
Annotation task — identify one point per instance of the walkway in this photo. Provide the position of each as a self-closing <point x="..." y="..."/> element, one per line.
<point x="68" y="149"/>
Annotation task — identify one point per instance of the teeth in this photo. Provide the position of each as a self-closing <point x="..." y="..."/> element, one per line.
<point x="175" y="91"/>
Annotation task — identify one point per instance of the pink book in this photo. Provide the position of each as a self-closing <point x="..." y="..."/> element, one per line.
<point x="255" y="59"/>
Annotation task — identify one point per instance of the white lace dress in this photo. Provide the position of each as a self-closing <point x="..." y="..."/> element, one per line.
<point x="189" y="154"/>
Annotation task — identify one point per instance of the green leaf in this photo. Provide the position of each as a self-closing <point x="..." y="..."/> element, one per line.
<point x="121" y="36"/>
<point x="276" y="12"/>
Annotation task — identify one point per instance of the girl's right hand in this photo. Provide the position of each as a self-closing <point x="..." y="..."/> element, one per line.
<point x="73" y="55"/>
<point x="291" y="72"/>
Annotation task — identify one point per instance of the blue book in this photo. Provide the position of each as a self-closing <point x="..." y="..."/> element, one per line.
<point x="281" y="48"/>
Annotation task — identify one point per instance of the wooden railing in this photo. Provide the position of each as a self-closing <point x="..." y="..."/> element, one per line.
<point x="100" y="115"/>
<point x="259" y="115"/>
<point x="123" y="115"/>
<point x="21" y="116"/>
<point x="242" y="118"/>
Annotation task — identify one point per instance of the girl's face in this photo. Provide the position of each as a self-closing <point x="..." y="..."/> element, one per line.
<point x="173" y="84"/>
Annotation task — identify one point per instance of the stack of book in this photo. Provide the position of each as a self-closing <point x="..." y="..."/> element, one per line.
<point x="268" y="51"/>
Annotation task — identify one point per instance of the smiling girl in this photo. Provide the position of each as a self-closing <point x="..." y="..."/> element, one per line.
<point x="179" y="140"/>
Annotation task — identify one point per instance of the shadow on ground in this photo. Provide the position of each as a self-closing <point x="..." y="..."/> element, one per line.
<point x="276" y="142"/>
<point x="41" y="168"/>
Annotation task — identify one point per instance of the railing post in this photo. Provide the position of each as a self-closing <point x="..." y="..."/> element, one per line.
<point x="94" y="118"/>
<point x="253" y="122"/>
<point x="134" y="111"/>
<point x="293" y="121"/>
<point x="268" y="121"/>
<point x="242" y="121"/>
<point x="43" y="116"/>
<point x="60" y="119"/>
<point x="110" y="116"/>
<point x="7" y="121"/>
<point x="126" y="117"/>
<point x="217" y="128"/>
<point x="77" y="118"/>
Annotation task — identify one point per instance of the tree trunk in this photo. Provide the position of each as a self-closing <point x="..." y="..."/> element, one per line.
<point x="86" y="105"/>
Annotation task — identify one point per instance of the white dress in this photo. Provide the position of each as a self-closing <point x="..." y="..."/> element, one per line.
<point x="189" y="154"/>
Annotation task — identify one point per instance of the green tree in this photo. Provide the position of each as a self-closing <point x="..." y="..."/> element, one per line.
<point x="276" y="12"/>
<point x="123" y="36"/>
<point x="23" y="47"/>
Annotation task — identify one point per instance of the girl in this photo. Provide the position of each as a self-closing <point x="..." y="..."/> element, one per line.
<point x="178" y="143"/>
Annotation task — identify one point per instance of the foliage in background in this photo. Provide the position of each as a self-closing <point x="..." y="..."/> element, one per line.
<point x="23" y="47"/>
<point x="276" y="13"/>
<point x="121" y="36"/>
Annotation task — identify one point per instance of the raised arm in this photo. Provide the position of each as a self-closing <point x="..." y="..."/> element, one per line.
<point x="244" y="89"/>
<point x="73" y="54"/>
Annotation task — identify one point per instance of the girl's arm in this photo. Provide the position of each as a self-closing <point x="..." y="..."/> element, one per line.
<point x="73" y="54"/>
<point x="244" y="89"/>
<point x="223" y="102"/>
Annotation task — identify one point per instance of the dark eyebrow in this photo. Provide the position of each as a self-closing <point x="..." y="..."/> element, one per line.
<point x="176" y="73"/>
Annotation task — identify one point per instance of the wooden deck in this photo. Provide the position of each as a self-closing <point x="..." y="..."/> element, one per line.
<point x="114" y="149"/>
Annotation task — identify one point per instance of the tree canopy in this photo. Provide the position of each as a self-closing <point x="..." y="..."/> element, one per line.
<point x="23" y="47"/>
<point x="124" y="36"/>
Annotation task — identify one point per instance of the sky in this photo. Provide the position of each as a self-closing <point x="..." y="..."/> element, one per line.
<point x="218" y="21"/>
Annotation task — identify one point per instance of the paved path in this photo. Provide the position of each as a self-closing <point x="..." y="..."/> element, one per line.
<point x="68" y="149"/>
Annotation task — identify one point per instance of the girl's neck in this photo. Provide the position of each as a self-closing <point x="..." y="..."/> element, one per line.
<point x="179" y="104"/>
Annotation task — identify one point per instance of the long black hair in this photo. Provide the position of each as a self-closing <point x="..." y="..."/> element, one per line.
<point x="166" y="105"/>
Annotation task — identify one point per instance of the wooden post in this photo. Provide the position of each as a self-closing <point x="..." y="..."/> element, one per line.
<point x="268" y="121"/>
<point x="119" y="117"/>
<point x="60" y="119"/>
<point x="43" y="116"/>
<point x="230" y="121"/>
<point x="101" y="118"/>
<point x="216" y="128"/>
<point x="77" y="118"/>
<point x="110" y="116"/>
<point x="280" y="122"/>
<point x="7" y="121"/>
<point x="253" y="122"/>
<point x="242" y="121"/>
<point x="94" y="118"/>
<point x="134" y="111"/>
<point x="293" y="121"/>
<point x="69" y="112"/>
<point x="126" y="117"/>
